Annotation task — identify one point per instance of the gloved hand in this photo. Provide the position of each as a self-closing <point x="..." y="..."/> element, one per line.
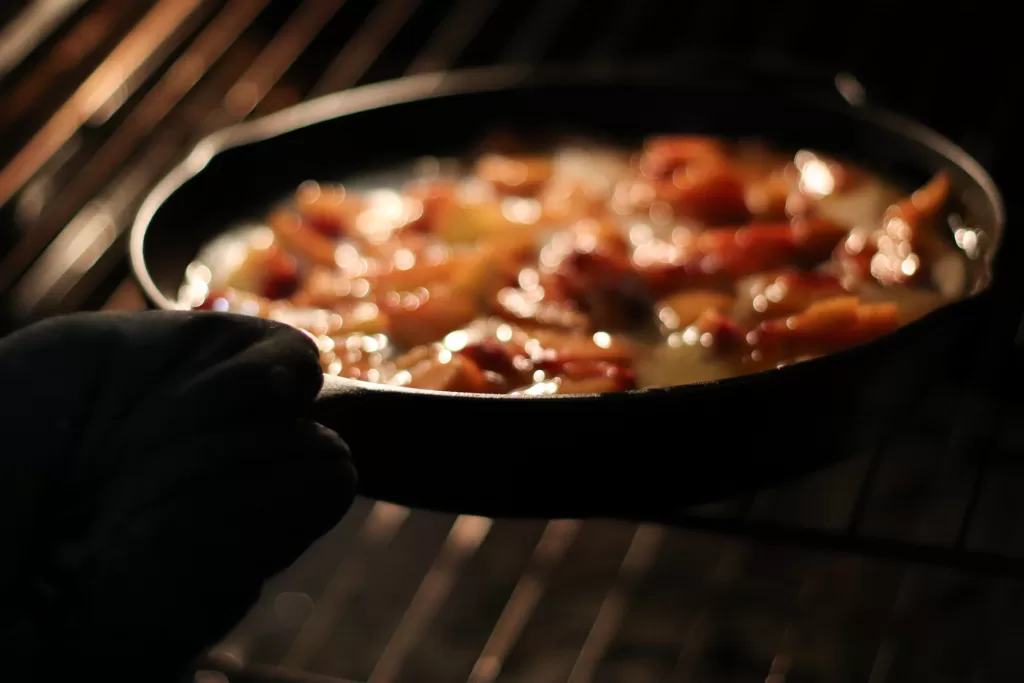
<point x="155" y="469"/>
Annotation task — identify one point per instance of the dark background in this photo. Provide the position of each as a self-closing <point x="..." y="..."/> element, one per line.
<point x="901" y="565"/>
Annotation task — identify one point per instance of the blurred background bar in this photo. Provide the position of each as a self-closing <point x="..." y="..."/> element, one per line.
<point x="902" y="565"/>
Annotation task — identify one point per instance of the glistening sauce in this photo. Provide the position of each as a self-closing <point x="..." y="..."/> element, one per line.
<point x="590" y="268"/>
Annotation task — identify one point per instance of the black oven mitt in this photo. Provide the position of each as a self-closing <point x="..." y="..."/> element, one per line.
<point x="155" y="469"/>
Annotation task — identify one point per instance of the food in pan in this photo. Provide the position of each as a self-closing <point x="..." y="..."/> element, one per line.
<point x="590" y="268"/>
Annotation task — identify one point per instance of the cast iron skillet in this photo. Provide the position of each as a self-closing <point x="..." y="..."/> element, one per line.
<point x="639" y="455"/>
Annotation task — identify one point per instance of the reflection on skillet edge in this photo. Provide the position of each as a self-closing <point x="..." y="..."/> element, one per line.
<point x="592" y="268"/>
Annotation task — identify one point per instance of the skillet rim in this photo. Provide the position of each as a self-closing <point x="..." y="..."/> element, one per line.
<point x="409" y="89"/>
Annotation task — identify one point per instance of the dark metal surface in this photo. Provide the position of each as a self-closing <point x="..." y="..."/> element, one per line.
<point x="903" y="564"/>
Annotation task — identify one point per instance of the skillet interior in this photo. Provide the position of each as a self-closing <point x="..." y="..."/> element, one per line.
<point x="533" y="458"/>
<point x="241" y="181"/>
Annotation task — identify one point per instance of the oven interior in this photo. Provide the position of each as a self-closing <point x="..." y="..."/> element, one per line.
<point x="902" y="564"/>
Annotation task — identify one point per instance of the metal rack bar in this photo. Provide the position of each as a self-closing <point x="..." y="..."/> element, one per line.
<point x="548" y="553"/>
<point x="465" y="536"/>
<point x="158" y="103"/>
<point x="378" y="531"/>
<point x="272" y="63"/>
<point x="21" y="36"/>
<point x="84" y="39"/>
<point x="452" y="36"/>
<point x="158" y="26"/>
<point x="262" y="673"/>
<point x="358" y="55"/>
<point x="727" y="574"/>
<point x="90" y="235"/>
<point x="638" y="560"/>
